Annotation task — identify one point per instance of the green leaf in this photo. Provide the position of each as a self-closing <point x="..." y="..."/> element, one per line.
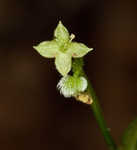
<point x="78" y="50"/>
<point x="63" y="63"/>
<point x="61" y="34"/>
<point x="129" y="141"/>
<point x="47" y="49"/>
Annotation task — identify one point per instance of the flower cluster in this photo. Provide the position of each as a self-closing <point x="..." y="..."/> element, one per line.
<point x="63" y="49"/>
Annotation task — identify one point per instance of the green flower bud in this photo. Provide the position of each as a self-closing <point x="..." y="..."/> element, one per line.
<point x="71" y="86"/>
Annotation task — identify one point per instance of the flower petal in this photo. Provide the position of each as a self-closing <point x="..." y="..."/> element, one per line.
<point x="61" y="34"/>
<point x="47" y="49"/>
<point x="78" y="50"/>
<point x="63" y="63"/>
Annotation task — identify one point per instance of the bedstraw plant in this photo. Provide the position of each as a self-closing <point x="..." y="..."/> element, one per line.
<point x="74" y="82"/>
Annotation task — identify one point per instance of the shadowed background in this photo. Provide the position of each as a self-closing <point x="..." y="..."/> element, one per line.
<point x="33" y="115"/>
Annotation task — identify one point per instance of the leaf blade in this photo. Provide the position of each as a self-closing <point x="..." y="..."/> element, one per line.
<point x="129" y="141"/>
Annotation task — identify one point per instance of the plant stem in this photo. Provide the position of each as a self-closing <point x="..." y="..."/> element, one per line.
<point x="78" y="67"/>
<point x="99" y="118"/>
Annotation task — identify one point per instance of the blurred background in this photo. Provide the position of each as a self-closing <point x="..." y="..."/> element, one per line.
<point x="33" y="115"/>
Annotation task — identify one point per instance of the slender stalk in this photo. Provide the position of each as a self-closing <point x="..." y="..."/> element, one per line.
<point x="100" y="119"/>
<point x="77" y="67"/>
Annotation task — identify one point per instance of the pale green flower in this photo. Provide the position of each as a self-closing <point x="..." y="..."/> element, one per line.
<point x="62" y="49"/>
<point x="72" y="86"/>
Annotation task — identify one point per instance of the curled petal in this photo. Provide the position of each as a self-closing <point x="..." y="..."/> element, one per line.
<point x="63" y="63"/>
<point x="78" y="50"/>
<point x="47" y="49"/>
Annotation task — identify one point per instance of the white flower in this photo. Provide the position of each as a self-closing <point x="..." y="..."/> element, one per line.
<point x="62" y="49"/>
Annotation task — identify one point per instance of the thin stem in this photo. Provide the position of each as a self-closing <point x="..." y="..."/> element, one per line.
<point x="78" y="67"/>
<point x="99" y="118"/>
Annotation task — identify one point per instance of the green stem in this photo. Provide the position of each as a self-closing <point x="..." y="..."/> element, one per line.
<point x="78" y="67"/>
<point x="99" y="118"/>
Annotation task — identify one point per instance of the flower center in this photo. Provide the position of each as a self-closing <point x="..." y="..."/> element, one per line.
<point x="64" y="47"/>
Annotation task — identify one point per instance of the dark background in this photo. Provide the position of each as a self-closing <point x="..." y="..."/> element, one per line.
<point x="33" y="115"/>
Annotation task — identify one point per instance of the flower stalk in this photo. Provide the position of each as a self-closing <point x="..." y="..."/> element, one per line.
<point x="95" y="106"/>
